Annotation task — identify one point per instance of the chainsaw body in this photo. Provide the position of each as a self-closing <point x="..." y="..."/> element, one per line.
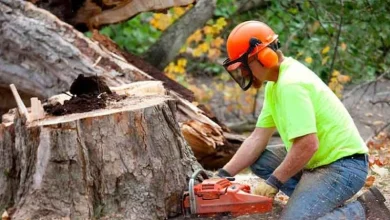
<point x="222" y="196"/>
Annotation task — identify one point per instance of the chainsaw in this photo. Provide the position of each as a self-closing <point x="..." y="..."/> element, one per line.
<point x="214" y="196"/>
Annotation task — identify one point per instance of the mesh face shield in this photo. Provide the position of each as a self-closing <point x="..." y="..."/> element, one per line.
<point x="240" y="72"/>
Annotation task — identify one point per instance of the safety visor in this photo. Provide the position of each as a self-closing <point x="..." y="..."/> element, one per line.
<point x="241" y="73"/>
<point x="239" y="68"/>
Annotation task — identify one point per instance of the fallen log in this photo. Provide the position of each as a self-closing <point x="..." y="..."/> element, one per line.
<point x="94" y="13"/>
<point x="128" y="160"/>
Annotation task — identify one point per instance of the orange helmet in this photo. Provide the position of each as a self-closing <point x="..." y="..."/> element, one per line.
<point x="245" y="40"/>
<point x="238" y="40"/>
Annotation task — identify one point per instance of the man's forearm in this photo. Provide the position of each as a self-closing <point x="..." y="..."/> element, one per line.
<point x="249" y="151"/>
<point x="300" y="154"/>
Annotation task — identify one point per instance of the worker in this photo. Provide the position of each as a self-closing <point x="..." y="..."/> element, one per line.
<point x="323" y="162"/>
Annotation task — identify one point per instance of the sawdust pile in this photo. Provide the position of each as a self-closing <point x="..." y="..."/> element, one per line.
<point x="88" y="93"/>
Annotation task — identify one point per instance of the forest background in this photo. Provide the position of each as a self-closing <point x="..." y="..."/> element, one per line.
<point x="332" y="38"/>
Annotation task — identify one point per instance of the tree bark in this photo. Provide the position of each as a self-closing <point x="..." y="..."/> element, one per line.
<point x="8" y="174"/>
<point x="246" y="5"/>
<point x="127" y="161"/>
<point x="42" y="55"/>
<point x="130" y="8"/>
<point x="43" y="60"/>
<point x="172" y="39"/>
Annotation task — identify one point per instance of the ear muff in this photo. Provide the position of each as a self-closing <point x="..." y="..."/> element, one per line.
<point x="268" y="57"/>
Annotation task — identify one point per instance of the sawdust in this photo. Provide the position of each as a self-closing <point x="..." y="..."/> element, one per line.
<point x="88" y="93"/>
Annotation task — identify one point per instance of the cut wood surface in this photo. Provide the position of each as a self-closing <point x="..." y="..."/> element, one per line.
<point x="127" y="161"/>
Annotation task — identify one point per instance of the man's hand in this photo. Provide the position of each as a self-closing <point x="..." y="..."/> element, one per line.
<point x="223" y="173"/>
<point x="264" y="189"/>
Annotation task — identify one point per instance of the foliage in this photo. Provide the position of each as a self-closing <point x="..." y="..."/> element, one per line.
<point x="309" y="31"/>
<point x="135" y="35"/>
<point x="205" y="43"/>
<point x="337" y="81"/>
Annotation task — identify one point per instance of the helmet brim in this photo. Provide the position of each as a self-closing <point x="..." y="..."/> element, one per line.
<point x="234" y="66"/>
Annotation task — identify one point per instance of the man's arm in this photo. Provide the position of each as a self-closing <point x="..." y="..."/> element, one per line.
<point x="249" y="151"/>
<point x="301" y="152"/>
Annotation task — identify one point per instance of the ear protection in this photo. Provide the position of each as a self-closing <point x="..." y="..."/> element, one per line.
<point x="267" y="56"/>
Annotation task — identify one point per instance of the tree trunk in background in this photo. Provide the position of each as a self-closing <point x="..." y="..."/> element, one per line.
<point x="94" y="13"/>
<point x="172" y="39"/>
<point x="246" y="5"/>
<point x="126" y="161"/>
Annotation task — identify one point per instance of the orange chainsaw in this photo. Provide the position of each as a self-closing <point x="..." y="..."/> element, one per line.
<point x="222" y="196"/>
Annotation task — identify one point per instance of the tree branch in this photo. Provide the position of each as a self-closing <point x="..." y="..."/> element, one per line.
<point x="377" y="132"/>
<point x="385" y="101"/>
<point x="318" y="17"/>
<point x="250" y="4"/>
<point x="172" y="39"/>
<point x="337" y="40"/>
<point x="363" y="85"/>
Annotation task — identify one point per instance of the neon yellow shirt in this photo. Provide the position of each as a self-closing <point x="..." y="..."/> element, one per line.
<point x="299" y="103"/>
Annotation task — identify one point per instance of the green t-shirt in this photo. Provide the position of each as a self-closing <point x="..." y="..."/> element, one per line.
<point x="299" y="103"/>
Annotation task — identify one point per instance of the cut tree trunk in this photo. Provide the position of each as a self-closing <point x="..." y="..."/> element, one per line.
<point x="42" y="56"/>
<point x="127" y="161"/>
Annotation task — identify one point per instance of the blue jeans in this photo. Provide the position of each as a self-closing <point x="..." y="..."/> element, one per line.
<point x="319" y="193"/>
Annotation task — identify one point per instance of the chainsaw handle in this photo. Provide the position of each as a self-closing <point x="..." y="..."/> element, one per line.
<point x="201" y="172"/>
<point x="191" y="188"/>
<point x="230" y="178"/>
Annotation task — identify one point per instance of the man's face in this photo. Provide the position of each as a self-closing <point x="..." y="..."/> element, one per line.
<point x="259" y="72"/>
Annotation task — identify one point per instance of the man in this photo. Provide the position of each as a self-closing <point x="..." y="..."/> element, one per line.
<point x="324" y="161"/>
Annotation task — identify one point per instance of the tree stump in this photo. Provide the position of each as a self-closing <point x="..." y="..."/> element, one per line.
<point x="57" y="54"/>
<point x="127" y="161"/>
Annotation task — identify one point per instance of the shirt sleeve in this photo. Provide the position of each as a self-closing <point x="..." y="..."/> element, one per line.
<point x="297" y="110"/>
<point x="265" y="119"/>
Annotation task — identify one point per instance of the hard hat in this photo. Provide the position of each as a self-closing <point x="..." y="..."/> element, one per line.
<point x="239" y="37"/>
<point x="245" y="40"/>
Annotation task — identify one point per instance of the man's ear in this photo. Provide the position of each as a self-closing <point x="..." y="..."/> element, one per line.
<point x="268" y="57"/>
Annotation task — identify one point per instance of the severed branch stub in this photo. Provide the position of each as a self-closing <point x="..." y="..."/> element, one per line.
<point x="37" y="111"/>
<point x="22" y="108"/>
